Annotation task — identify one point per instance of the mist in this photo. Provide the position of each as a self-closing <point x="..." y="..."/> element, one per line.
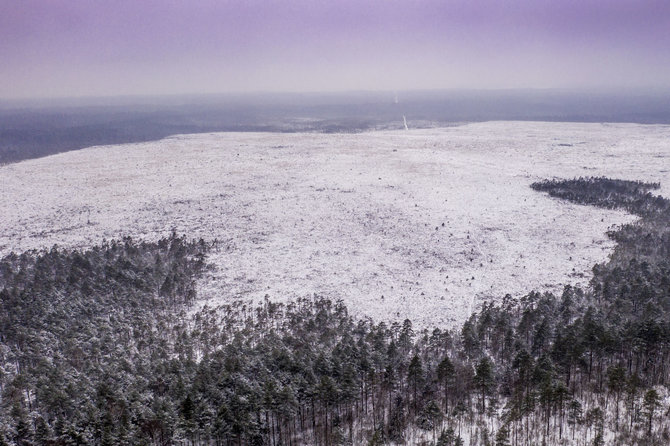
<point x="79" y="48"/>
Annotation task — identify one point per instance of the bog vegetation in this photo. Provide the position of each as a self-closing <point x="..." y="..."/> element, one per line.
<point x="96" y="348"/>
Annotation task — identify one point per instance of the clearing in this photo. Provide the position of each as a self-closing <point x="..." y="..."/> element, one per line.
<point x="434" y="220"/>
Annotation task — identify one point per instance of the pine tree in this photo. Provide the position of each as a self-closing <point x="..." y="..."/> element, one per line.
<point x="616" y="381"/>
<point x="43" y="435"/>
<point x="574" y="414"/>
<point x="484" y="379"/>
<point x="415" y="378"/>
<point x="445" y="374"/>
<point x="650" y="404"/>
<point x="447" y="437"/>
<point x="502" y="437"/>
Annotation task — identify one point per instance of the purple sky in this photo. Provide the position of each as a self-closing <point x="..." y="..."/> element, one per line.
<point x="100" y="47"/>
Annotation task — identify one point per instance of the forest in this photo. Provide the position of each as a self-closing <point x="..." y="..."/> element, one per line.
<point x="104" y="346"/>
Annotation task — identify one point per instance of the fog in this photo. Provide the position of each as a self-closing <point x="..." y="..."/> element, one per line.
<point x="78" y="48"/>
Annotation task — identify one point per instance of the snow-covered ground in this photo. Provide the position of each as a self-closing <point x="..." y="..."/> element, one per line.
<point x="419" y="224"/>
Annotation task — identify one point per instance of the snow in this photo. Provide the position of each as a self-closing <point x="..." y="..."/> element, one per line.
<point x="434" y="220"/>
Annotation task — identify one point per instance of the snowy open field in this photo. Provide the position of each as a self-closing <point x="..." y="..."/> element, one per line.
<point x="436" y="221"/>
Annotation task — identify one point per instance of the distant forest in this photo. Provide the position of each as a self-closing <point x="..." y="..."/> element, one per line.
<point x="98" y="347"/>
<point x="33" y="129"/>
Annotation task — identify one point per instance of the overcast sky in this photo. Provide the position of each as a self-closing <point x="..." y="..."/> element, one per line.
<point x="102" y="47"/>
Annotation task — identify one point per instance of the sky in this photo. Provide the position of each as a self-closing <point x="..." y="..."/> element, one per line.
<point x="79" y="48"/>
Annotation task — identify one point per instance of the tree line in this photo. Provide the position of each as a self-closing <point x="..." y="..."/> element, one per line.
<point x="96" y="348"/>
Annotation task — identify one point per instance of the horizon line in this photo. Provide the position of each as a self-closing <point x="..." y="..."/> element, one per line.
<point x="613" y="91"/>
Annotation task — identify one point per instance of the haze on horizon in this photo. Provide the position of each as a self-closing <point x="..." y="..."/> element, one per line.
<point x="77" y="48"/>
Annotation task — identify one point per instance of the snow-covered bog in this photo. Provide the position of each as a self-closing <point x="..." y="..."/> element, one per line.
<point x="423" y="224"/>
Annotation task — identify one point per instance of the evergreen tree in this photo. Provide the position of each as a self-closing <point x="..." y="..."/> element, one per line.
<point x="502" y="436"/>
<point x="651" y="403"/>
<point x="484" y="380"/>
<point x="447" y="437"/>
<point x="445" y="374"/>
